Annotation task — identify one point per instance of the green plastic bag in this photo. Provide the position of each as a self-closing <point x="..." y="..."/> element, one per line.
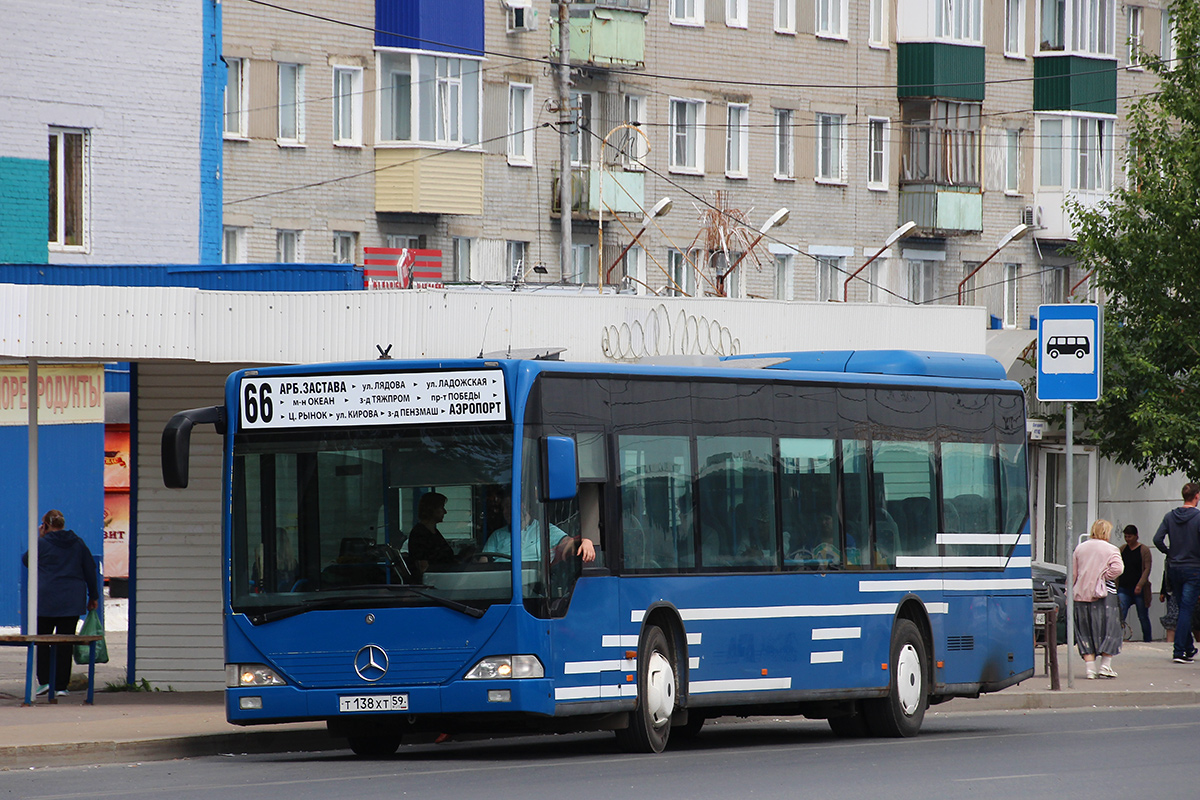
<point x="91" y="627"/>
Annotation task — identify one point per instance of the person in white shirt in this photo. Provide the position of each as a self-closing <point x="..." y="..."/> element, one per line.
<point x="500" y="542"/>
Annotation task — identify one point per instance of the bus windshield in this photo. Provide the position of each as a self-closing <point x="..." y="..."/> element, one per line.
<point x="324" y="519"/>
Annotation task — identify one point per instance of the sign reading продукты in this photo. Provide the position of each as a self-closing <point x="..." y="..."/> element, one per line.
<point x="1070" y="352"/>
<point x="397" y="398"/>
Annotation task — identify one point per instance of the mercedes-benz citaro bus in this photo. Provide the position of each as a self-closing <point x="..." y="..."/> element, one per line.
<point x="840" y="535"/>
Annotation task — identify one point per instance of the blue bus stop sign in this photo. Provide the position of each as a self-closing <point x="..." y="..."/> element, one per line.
<point x="1070" y="353"/>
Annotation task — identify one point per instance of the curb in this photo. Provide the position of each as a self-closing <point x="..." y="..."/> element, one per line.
<point x="1074" y="698"/>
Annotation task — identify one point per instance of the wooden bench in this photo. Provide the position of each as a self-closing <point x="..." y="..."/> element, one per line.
<point x="54" y="640"/>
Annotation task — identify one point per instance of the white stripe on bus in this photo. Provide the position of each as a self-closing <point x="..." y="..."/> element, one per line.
<point x="743" y="685"/>
<point x="960" y="562"/>
<point x="779" y="612"/>
<point x="626" y="640"/>
<point x="824" y="634"/>
<point x="938" y="584"/>
<point x="828" y="657"/>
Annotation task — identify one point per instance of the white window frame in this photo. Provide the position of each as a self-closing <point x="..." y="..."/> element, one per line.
<point x="679" y="268"/>
<point x="1051" y="147"/>
<point x="291" y="114"/>
<point x="785" y="272"/>
<point x="737" y="140"/>
<point x="877" y="24"/>
<point x="289" y="246"/>
<point x="785" y="16"/>
<point x="831" y="21"/>
<point x="233" y="244"/>
<point x="785" y="145"/>
<point x="879" y="145"/>
<point x="830" y="276"/>
<point x="1093" y="25"/>
<point x="347" y="106"/>
<point x="686" y="12"/>
<point x="435" y="99"/>
<point x="460" y="253"/>
<point x="1012" y="161"/>
<point x="1166" y="43"/>
<point x="236" y="116"/>
<point x="58" y="172"/>
<point x="921" y="280"/>
<point x="1091" y="154"/>
<point x="584" y="145"/>
<point x="399" y="241"/>
<point x="958" y="21"/>
<point x="633" y="268"/>
<point x="1014" y="28"/>
<point x="692" y="136"/>
<point x="826" y="172"/>
<point x="516" y="257"/>
<point x="736" y="13"/>
<point x="1012" y="305"/>
<point x="1135" y="25"/>
<point x="520" y="131"/>
<point x="581" y="265"/>
<point x="633" y="146"/>
<point x="345" y="247"/>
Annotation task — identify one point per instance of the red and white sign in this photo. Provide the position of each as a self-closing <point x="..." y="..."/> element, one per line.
<point x="402" y="268"/>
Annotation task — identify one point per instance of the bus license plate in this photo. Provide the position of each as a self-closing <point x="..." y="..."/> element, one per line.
<point x="373" y="702"/>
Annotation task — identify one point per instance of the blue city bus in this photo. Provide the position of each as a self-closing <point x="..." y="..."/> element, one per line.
<point x="839" y="535"/>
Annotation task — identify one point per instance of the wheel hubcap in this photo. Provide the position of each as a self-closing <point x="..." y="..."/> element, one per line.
<point x="660" y="689"/>
<point x="908" y="679"/>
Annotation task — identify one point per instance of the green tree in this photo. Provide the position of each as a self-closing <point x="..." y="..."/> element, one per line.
<point x="1144" y="247"/>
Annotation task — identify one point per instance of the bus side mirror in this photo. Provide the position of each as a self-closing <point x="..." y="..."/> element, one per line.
<point x="177" y="439"/>
<point x="560" y="474"/>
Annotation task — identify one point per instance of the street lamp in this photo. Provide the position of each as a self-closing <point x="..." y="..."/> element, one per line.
<point x="633" y="126"/>
<point x="773" y="221"/>
<point x="1010" y="237"/>
<point x="896" y="235"/>
<point x="659" y="209"/>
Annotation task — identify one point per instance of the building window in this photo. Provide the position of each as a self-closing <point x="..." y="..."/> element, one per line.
<point x="875" y="282"/>
<point x="233" y="245"/>
<point x="785" y="266"/>
<point x="958" y="20"/>
<point x="1014" y="28"/>
<point x="686" y="134"/>
<point x="1092" y="21"/>
<point x="1136" y="36"/>
<point x="1091" y="163"/>
<point x="632" y="269"/>
<point x="345" y="247"/>
<point x="1167" y="40"/>
<point x="877" y="23"/>
<point x="735" y="13"/>
<point x="737" y="141"/>
<point x="347" y="106"/>
<point x="581" y="137"/>
<point x="1012" y="160"/>
<point x="1054" y="285"/>
<point x="425" y="98"/>
<point x="69" y="189"/>
<point x="291" y="103"/>
<point x="287" y="247"/>
<point x="461" y="252"/>
<point x="922" y="276"/>
<point x="940" y="142"/>
<point x="680" y="272"/>
<point x="829" y="274"/>
<point x="1053" y="23"/>
<point x="831" y="150"/>
<point x="877" y="153"/>
<point x="831" y="18"/>
<point x="632" y="145"/>
<point x="581" y="265"/>
<point x="783" y="144"/>
<point x="785" y="16"/>
<point x="1051" y="137"/>
<point x="514" y="255"/>
<point x="235" y="99"/>
<point x="687" y="12"/>
<point x="399" y="241"/>
<point x="1012" y="280"/>
<point x="968" y="287"/>
<point x="520" y="124"/>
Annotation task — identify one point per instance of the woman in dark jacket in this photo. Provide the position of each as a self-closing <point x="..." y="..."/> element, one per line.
<point x="67" y="587"/>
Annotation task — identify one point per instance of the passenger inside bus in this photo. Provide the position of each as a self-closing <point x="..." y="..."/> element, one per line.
<point x="426" y="545"/>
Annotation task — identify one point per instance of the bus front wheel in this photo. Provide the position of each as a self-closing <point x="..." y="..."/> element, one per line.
<point x="650" y="723"/>
<point x="374" y="746"/>
<point x="903" y="710"/>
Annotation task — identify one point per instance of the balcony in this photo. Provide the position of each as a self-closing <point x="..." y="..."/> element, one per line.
<point x="944" y="210"/>
<point x="1050" y="219"/>
<point x="452" y="183"/>
<point x="624" y="192"/>
<point x="605" y="34"/>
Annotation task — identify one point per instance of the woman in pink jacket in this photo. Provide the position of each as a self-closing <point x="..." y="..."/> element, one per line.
<point x="1097" y="612"/>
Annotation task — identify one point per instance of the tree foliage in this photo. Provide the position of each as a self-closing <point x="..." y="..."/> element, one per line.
<point x="1144" y="247"/>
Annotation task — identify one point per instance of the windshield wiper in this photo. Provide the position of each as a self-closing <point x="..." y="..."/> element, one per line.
<point x="303" y="608"/>
<point x="336" y="602"/>
<point x="470" y="611"/>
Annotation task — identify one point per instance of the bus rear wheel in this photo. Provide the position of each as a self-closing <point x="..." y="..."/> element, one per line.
<point x="374" y="746"/>
<point x="903" y="710"/>
<point x="650" y="723"/>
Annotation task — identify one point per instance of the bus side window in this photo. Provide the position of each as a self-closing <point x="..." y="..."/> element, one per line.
<point x="589" y="518"/>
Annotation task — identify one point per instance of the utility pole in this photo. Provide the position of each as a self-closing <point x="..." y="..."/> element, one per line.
<point x="566" y="178"/>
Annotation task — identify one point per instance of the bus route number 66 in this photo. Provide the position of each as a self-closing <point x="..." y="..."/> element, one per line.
<point x="256" y="403"/>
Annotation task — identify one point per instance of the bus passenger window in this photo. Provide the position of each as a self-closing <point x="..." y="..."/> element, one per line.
<point x="811" y="535"/>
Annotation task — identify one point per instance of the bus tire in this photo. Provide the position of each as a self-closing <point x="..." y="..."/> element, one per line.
<point x="650" y="722"/>
<point x="902" y="711"/>
<point x="374" y="746"/>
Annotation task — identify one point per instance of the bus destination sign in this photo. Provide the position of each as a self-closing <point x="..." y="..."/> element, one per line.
<point x="393" y="398"/>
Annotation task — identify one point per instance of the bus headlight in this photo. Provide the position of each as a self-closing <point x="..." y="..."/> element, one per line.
<point x="238" y="675"/>
<point x="494" y="667"/>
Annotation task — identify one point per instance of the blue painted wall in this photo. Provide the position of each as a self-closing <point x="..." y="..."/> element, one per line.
<point x="449" y="26"/>
<point x="212" y="114"/>
<point x="71" y="478"/>
<point x="24" y="210"/>
<point x="231" y="277"/>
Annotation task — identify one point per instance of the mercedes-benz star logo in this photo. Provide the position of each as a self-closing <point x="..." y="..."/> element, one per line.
<point x="371" y="663"/>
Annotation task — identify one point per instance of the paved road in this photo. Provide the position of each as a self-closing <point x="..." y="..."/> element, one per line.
<point x="1002" y="755"/>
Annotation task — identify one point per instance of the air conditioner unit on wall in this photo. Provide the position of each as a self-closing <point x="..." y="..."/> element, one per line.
<point x="522" y="17"/>
<point x="1027" y="216"/>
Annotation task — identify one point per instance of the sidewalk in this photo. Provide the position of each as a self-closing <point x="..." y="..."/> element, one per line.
<point x="145" y="726"/>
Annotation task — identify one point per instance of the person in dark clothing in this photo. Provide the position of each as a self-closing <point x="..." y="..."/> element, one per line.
<point x="67" y="587"/>
<point x="426" y="545"/>
<point x="1133" y="587"/>
<point x="1179" y="537"/>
